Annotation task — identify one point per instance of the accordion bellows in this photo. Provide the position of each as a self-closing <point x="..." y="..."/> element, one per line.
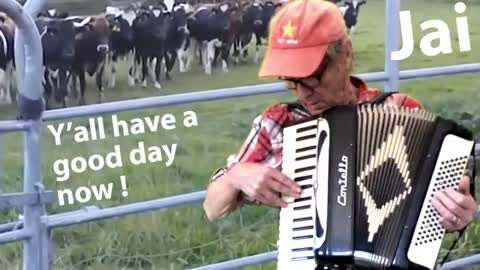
<point x="368" y="174"/>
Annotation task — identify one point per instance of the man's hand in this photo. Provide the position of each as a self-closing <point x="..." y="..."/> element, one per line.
<point x="456" y="208"/>
<point x="263" y="183"/>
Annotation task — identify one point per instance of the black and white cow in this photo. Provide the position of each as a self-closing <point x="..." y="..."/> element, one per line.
<point x="210" y="28"/>
<point x="350" y="13"/>
<point x="7" y="32"/>
<point x="252" y="23"/>
<point x="58" y="42"/>
<point x="92" y="44"/>
<point x="150" y="35"/>
<point x="256" y="19"/>
<point x="121" y="45"/>
<point x="178" y="38"/>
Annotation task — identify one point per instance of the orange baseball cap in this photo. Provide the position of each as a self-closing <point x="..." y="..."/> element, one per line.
<point x="299" y="35"/>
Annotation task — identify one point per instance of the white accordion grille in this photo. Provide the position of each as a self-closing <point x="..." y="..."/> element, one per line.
<point x="428" y="235"/>
<point x="448" y="177"/>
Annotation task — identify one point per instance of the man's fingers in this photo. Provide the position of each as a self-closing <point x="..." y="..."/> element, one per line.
<point x="447" y="224"/>
<point x="455" y="203"/>
<point x="443" y="211"/>
<point x="449" y="220"/>
<point x="285" y="180"/>
<point x="279" y="187"/>
<point x="462" y="200"/>
<point x="464" y="185"/>
<point x="273" y="199"/>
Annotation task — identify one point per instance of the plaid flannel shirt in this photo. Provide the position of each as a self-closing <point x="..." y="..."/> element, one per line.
<point x="264" y="142"/>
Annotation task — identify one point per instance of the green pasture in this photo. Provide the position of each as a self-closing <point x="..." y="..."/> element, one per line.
<point x="182" y="238"/>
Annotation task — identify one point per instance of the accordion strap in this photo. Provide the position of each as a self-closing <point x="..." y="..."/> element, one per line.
<point x="378" y="99"/>
<point x="453" y="245"/>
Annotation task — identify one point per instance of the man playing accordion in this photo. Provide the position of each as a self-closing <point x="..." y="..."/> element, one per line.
<point x="310" y="51"/>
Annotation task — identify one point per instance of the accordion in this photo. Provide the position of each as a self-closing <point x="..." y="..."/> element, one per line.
<point x="368" y="173"/>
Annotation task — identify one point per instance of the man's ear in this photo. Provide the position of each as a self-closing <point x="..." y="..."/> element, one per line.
<point x="348" y="53"/>
<point x="347" y="46"/>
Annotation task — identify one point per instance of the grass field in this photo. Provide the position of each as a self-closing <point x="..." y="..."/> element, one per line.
<point x="182" y="238"/>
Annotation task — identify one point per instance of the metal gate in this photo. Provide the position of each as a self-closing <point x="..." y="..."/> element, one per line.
<point x="34" y="229"/>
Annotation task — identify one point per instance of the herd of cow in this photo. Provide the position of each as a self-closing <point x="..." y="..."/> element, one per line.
<point x="151" y="38"/>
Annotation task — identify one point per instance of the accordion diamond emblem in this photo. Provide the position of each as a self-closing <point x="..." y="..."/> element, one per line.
<point x="398" y="155"/>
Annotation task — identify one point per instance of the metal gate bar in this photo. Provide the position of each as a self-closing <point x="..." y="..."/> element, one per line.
<point x="14" y="236"/>
<point x="82" y="217"/>
<point x="229" y="93"/>
<point x="14" y="126"/>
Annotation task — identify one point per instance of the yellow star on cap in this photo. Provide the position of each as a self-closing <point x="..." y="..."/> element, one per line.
<point x="288" y="30"/>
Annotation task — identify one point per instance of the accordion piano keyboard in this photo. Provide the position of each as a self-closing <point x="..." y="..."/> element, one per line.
<point x="297" y="226"/>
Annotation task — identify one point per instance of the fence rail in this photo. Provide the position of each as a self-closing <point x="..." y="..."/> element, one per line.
<point x="36" y="224"/>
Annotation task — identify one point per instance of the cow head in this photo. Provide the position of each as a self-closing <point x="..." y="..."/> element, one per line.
<point x="94" y="31"/>
<point x="8" y="23"/>
<point x="355" y="5"/>
<point x="180" y="13"/>
<point x="252" y="14"/>
<point x="268" y="10"/>
<point x="58" y="41"/>
<point x="120" y="29"/>
<point x="221" y="13"/>
<point x="154" y="23"/>
<point x="236" y="14"/>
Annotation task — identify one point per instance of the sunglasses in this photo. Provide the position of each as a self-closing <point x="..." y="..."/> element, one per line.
<point x="310" y="82"/>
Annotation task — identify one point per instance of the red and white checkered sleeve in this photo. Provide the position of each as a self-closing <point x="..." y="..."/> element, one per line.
<point x="263" y="143"/>
<point x="253" y="149"/>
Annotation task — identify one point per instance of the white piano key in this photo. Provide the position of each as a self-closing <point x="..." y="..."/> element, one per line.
<point x="303" y="265"/>
<point x="299" y="254"/>
<point x="289" y="212"/>
<point x="305" y="193"/>
<point x="303" y="223"/>
<point x="303" y="232"/>
<point x="304" y="143"/>
<point x="306" y="132"/>
<point x="297" y="247"/>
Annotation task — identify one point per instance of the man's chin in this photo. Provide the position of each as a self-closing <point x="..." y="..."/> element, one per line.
<point x="314" y="110"/>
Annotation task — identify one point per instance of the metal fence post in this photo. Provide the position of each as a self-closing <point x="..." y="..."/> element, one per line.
<point x="29" y="62"/>
<point x="392" y="30"/>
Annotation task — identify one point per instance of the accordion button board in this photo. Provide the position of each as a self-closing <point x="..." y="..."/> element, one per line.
<point x="429" y="233"/>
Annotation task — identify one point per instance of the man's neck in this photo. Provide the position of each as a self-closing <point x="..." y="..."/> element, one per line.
<point x="351" y="93"/>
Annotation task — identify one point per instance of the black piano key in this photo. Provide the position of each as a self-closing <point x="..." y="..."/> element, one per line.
<point x="303" y="199"/>
<point x="307" y="128"/>
<point x="302" y="249"/>
<point x="302" y="258"/>
<point x="306" y="186"/>
<point x="302" y="219"/>
<point x="299" y="139"/>
<point x="301" y="178"/>
<point x="303" y="228"/>
<point x="302" y="237"/>
<point x="301" y="207"/>
<point x="305" y="157"/>
<point x="308" y="148"/>
<point x="304" y="169"/>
